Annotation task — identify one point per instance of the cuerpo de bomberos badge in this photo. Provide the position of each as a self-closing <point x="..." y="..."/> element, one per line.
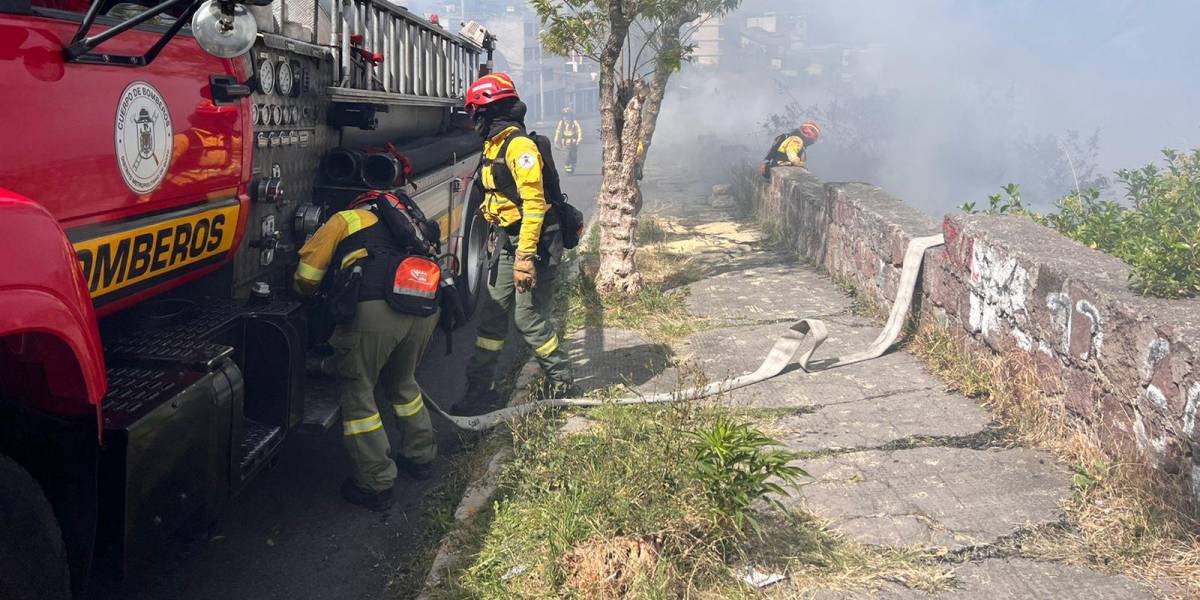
<point x="143" y="135"/>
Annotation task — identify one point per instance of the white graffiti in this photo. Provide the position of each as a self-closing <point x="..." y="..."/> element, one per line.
<point x="1189" y="410"/>
<point x="1097" y="332"/>
<point x="998" y="288"/>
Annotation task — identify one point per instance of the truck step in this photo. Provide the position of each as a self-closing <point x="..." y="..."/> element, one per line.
<point x="258" y="446"/>
<point x="321" y="410"/>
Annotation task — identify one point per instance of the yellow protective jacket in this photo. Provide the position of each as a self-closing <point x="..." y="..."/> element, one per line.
<point x="568" y="132"/>
<point x="525" y="163"/>
<point x="793" y="147"/>
<point x="317" y="253"/>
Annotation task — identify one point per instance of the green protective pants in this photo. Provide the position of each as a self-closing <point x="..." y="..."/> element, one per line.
<point x="531" y="312"/>
<point x="382" y="347"/>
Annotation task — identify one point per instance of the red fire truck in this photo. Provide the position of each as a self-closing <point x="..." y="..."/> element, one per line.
<point x="152" y="197"/>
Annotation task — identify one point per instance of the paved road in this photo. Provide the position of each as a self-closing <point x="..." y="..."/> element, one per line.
<point x="290" y="536"/>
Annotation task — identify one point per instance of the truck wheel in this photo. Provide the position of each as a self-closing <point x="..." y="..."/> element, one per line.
<point x="33" y="560"/>
<point x="473" y="261"/>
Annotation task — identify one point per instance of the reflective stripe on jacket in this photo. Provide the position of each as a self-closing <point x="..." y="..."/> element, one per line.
<point x="568" y="132"/>
<point x="525" y="163"/>
<point x="317" y="253"/>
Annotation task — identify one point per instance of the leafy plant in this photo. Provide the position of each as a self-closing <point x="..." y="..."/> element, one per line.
<point x="1156" y="230"/>
<point x="736" y="465"/>
<point x="1087" y="477"/>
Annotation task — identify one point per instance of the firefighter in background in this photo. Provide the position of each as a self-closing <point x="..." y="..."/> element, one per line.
<point x="569" y="134"/>
<point x="379" y="346"/>
<point x="791" y="149"/>
<point x="525" y="248"/>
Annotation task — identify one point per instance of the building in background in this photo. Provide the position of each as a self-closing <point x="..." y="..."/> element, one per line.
<point x="778" y="43"/>
<point x="547" y="82"/>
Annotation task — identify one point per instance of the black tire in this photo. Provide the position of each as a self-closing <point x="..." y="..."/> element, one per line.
<point x="33" y="559"/>
<point x="473" y="260"/>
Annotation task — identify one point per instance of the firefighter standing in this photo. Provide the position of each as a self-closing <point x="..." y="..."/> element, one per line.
<point x="791" y="149"/>
<point x="521" y="282"/>
<point x="379" y="346"/>
<point x="569" y="134"/>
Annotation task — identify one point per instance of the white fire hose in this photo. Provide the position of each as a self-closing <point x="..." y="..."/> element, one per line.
<point x="780" y="356"/>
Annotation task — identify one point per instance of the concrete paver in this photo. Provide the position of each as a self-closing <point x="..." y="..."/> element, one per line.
<point x="1006" y="579"/>
<point x="936" y="496"/>
<point x="876" y="420"/>
<point x="766" y="293"/>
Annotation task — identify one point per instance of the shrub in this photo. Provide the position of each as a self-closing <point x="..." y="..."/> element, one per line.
<point x="1156" y="230"/>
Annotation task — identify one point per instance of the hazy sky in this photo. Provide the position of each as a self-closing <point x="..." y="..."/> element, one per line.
<point x="973" y="76"/>
<point x="969" y="81"/>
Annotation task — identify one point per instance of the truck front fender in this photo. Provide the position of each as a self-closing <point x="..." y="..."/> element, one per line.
<point x="46" y="313"/>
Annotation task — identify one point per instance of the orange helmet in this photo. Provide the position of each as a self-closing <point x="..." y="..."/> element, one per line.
<point x="489" y="89"/>
<point x="810" y="131"/>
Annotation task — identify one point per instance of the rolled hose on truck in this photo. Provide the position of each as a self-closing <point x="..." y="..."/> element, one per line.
<point x="378" y="168"/>
<point x="781" y="355"/>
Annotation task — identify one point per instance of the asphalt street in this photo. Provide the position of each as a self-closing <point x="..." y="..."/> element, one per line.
<point x="291" y="536"/>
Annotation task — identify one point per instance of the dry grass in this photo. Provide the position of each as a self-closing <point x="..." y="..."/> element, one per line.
<point x="1124" y="517"/>
<point x="658" y="311"/>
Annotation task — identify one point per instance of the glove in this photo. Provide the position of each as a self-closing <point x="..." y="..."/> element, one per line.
<point x="524" y="272"/>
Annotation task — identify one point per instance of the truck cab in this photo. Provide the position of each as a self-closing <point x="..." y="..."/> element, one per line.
<point x="152" y="199"/>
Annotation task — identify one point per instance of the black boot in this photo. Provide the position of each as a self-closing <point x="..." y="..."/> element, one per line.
<point x="376" y="501"/>
<point x="479" y="399"/>
<point x="415" y="471"/>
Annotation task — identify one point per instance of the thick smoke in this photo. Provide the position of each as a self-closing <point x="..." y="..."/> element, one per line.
<point x="944" y="101"/>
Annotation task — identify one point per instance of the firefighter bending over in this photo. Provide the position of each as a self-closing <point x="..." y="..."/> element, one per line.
<point x="569" y="134"/>
<point x="791" y="149"/>
<point x="359" y="258"/>
<point x="525" y="245"/>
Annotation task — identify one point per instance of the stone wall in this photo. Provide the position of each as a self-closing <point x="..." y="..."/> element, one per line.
<point x="1128" y="366"/>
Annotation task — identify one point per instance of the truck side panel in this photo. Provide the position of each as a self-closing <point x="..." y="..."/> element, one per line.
<point x="105" y="147"/>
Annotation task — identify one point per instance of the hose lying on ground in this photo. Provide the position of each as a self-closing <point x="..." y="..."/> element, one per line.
<point x="781" y="355"/>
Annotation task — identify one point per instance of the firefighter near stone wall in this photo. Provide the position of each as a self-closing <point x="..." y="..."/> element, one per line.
<point x="791" y="149"/>
<point x="528" y="216"/>
<point x="375" y="265"/>
<point x="568" y="134"/>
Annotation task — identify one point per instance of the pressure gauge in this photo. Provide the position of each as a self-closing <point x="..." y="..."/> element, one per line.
<point x="266" y="77"/>
<point x="295" y="114"/>
<point x="254" y="114"/>
<point x="284" y="79"/>
<point x="277" y="115"/>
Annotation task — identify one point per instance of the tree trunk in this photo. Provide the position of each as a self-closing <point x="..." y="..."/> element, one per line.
<point x="619" y="197"/>
<point x="620" y="202"/>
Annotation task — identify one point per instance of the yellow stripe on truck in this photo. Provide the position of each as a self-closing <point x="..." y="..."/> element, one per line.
<point x="127" y="257"/>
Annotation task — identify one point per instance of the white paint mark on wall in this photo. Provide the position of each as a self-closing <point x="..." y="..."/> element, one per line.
<point x="1060" y="312"/>
<point x="1156" y="351"/>
<point x="1024" y="342"/>
<point x="1195" y="479"/>
<point x="1097" y="330"/>
<point x="998" y="289"/>
<point x="1189" y="410"/>
<point x="1156" y="396"/>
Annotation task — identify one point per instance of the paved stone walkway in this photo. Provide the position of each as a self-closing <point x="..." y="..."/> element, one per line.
<point x="895" y="459"/>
